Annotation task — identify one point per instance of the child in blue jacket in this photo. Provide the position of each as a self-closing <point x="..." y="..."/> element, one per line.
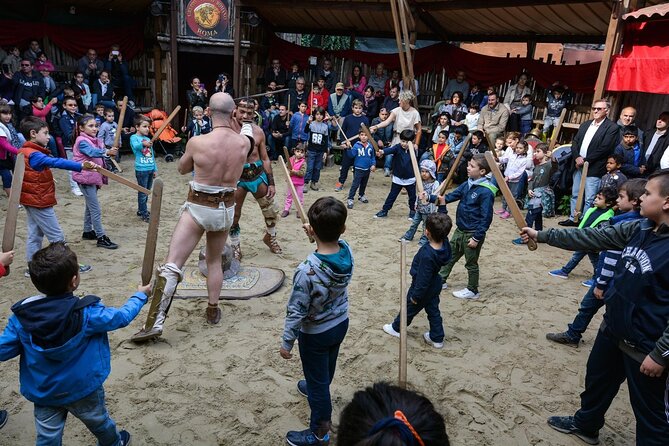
<point x="403" y="175"/>
<point x="63" y="347"/>
<point x="425" y="280"/>
<point x="364" y="162"/>
<point x="472" y="221"/>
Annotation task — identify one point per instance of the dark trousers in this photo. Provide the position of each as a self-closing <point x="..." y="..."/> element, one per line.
<point x="431" y="306"/>
<point x="607" y="368"/>
<point x="360" y="179"/>
<point x="535" y="217"/>
<point x="586" y="311"/>
<point x="346" y="163"/>
<point x="395" y="190"/>
<point x="318" y="353"/>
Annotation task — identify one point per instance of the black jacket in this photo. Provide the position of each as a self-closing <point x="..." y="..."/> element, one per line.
<point x="653" y="161"/>
<point x="602" y="145"/>
<point x="96" y="88"/>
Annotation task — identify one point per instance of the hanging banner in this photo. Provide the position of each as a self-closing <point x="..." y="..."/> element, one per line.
<point x="208" y="18"/>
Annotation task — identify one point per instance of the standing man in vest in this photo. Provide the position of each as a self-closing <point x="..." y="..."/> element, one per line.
<point x="595" y="140"/>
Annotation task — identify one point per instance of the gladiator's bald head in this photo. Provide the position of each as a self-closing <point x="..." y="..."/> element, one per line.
<point x="221" y="104"/>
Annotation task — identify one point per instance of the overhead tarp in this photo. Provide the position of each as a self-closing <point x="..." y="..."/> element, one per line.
<point x="75" y="40"/>
<point x="485" y="70"/>
<point x="644" y="64"/>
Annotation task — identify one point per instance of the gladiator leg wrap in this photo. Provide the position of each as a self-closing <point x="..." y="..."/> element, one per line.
<point x="173" y="276"/>
<point x="269" y="210"/>
<point x="234" y="234"/>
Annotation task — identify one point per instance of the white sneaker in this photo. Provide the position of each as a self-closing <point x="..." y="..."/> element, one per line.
<point x="466" y="293"/>
<point x="76" y="191"/>
<point x="444" y="286"/>
<point x="388" y="328"/>
<point x="429" y="340"/>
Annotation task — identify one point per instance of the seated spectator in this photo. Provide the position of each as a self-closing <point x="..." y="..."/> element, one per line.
<point x="494" y="117"/>
<point x="555" y="103"/>
<point x="101" y="90"/>
<point x="328" y="74"/>
<point x="197" y="94"/>
<point x="81" y="91"/>
<point x="42" y="61"/>
<point x="299" y="94"/>
<point x="277" y="74"/>
<point x="269" y="104"/>
<point x="524" y="112"/>
<point x="393" y="81"/>
<point x="27" y="85"/>
<point x="475" y="96"/>
<point x="279" y="133"/>
<point x="119" y="73"/>
<point x="378" y="80"/>
<point x="224" y="84"/>
<point x="490" y="90"/>
<point x="443" y="125"/>
<point x="199" y="125"/>
<point x="392" y="100"/>
<point x="456" y="108"/>
<point x="293" y="75"/>
<point x="370" y="105"/>
<point x="319" y="96"/>
<point x="457" y="84"/>
<point x="339" y="104"/>
<point x="32" y="52"/>
<point x="356" y="83"/>
<point x="45" y="70"/>
<point x="12" y="60"/>
<point x="91" y="66"/>
<point x="472" y="118"/>
<point x="514" y="98"/>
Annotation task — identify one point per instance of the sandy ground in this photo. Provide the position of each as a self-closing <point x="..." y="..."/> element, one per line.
<point x="496" y="380"/>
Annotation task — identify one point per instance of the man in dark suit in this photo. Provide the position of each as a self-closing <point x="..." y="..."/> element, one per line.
<point x="595" y="140"/>
<point x="277" y="74"/>
<point x="656" y="143"/>
<point x="102" y="92"/>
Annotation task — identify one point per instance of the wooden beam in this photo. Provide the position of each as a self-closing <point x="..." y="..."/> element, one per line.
<point x="158" y="76"/>
<point x="236" y="57"/>
<point x="398" y="36"/>
<point x="429" y="21"/>
<point x="488" y="4"/>
<point x="613" y="36"/>
<point x="323" y="5"/>
<point x="174" y="65"/>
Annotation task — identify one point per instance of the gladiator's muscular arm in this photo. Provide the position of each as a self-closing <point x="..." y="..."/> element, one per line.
<point x="185" y="164"/>
<point x="267" y="165"/>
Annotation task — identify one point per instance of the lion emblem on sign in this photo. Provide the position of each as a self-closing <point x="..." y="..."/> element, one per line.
<point x="207" y="15"/>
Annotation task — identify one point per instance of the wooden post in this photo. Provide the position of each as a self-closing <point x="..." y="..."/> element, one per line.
<point x="403" y="315"/>
<point x="578" y="212"/>
<point x="158" y="76"/>
<point x="174" y="65"/>
<point x="236" y="69"/>
<point x="398" y="36"/>
<point x="613" y="37"/>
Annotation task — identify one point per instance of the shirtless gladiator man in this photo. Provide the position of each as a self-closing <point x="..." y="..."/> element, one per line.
<point x="256" y="178"/>
<point x="217" y="158"/>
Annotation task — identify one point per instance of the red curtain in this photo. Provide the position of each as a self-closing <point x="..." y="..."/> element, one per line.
<point x="486" y="70"/>
<point x="644" y="64"/>
<point x="75" y="40"/>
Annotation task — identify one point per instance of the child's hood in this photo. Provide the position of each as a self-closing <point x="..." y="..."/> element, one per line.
<point x="484" y="182"/>
<point x="333" y="269"/>
<point x="52" y="321"/>
<point x="442" y="254"/>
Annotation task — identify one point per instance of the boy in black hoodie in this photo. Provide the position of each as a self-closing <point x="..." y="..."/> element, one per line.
<point x="425" y="279"/>
<point x="633" y="342"/>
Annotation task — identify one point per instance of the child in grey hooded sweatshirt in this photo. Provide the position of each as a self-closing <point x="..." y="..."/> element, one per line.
<point x="317" y="315"/>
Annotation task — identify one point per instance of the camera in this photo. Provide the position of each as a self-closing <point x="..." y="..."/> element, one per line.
<point x="222" y="78"/>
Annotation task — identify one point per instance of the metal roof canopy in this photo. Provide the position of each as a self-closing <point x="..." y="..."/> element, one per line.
<point x="566" y="21"/>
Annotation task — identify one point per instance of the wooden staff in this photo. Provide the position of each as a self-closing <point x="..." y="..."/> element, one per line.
<point x="152" y="232"/>
<point x="122" y="180"/>
<point x="339" y="126"/>
<point x="296" y="200"/>
<point x="416" y="169"/>
<point x="369" y="135"/>
<point x="119" y="130"/>
<point x="262" y="94"/>
<point x="449" y="178"/>
<point x="578" y="211"/>
<point x="165" y="123"/>
<point x="9" y="232"/>
<point x="508" y="196"/>
<point x="398" y="37"/>
<point x="287" y="155"/>
<point x="403" y="315"/>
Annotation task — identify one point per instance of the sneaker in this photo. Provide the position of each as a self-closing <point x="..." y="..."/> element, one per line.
<point x="349" y="203"/>
<point x="404" y="238"/>
<point x="89" y="235"/>
<point x="566" y="426"/>
<point x="517" y="241"/>
<point x="504" y="215"/>
<point x="466" y="293"/>
<point x="499" y="211"/>
<point x="146" y="218"/>
<point x="284" y="214"/>
<point x="84" y="268"/>
<point x="339" y="187"/>
<point x="125" y="438"/>
<point x="363" y="199"/>
<point x="147" y="214"/>
<point x="3" y="418"/>
<point x="588" y="283"/>
<point x="26" y="273"/>
<point x="305" y="189"/>
<point x="104" y="242"/>
<point x="429" y="340"/>
<point x="386" y="172"/>
<point x="558" y="273"/>
<point x="76" y="191"/>
<point x="412" y="214"/>
<point x="388" y="328"/>
<point x="444" y="285"/>
<point x="567" y="223"/>
<point x="381" y="214"/>
<point x="314" y="186"/>
<point x="302" y="387"/>
<point x="306" y="438"/>
<point x="563" y="338"/>
<point x="271" y="243"/>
